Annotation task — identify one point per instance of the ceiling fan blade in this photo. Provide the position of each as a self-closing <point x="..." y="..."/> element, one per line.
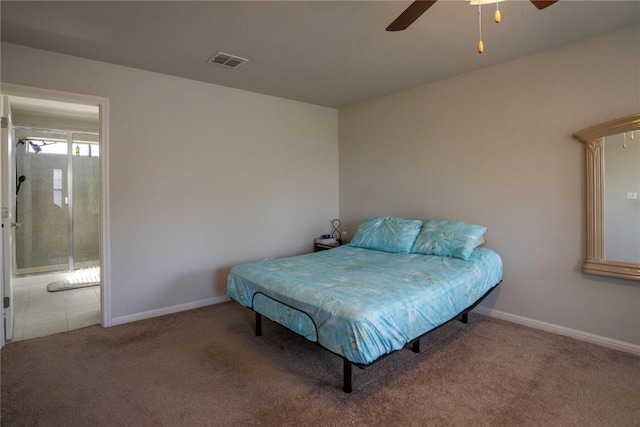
<point x="413" y="12"/>
<point x="542" y="4"/>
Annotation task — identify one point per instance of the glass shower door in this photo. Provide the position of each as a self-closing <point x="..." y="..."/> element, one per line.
<point x="57" y="201"/>
<point x="42" y="240"/>
<point x="86" y="201"/>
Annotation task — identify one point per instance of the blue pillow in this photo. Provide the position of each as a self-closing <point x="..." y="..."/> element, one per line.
<point x="448" y="238"/>
<point x="387" y="234"/>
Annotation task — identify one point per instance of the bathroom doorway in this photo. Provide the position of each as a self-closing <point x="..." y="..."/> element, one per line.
<point x="56" y="242"/>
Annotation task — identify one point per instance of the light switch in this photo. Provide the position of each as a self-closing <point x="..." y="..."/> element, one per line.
<point x="632" y="195"/>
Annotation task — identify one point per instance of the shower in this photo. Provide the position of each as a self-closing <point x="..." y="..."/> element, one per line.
<point x="58" y="192"/>
<point x="21" y="179"/>
<point x="36" y="148"/>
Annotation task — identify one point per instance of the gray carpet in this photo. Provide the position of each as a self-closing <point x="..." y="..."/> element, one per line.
<point x="206" y="367"/>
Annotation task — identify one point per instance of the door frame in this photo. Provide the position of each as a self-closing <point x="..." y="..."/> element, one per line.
<point x="102" y="103"/>
<point x="7" y="195"/>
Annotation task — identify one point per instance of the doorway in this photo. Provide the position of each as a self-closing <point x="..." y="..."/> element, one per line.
<point x="57" y="207"/>
<point x="57" y="221"/>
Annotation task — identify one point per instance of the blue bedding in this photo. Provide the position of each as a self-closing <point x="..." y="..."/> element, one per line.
<point x="363" y="303"/>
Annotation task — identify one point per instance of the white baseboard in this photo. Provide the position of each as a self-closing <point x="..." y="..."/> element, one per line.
<point x="536" y="324"/>
<point x="561" y="330"/>
<point x="167" y="310"/>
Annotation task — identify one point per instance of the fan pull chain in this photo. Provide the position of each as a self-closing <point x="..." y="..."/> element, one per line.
<point x="497" y="16"/>
<point x="633" y="136"/>
<point x="480" y="44"/>
<point x="624" y="140"/>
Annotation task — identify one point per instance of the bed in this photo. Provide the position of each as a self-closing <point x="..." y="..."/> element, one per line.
<point x="395" y="282"/>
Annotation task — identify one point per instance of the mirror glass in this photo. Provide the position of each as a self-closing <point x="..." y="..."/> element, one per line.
<point x="621" y="203"/>
<point x="613" y="197"/>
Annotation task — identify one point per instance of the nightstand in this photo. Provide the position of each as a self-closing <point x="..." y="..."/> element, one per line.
<point x="317" y="247"/>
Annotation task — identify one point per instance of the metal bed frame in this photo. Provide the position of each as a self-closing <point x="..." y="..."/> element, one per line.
<point x="347" y="364"/>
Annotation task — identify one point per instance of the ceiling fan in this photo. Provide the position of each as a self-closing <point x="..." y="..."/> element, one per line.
<point x="418" y="7"/>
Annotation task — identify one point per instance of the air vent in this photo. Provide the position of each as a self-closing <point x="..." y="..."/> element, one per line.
<point x="227" y="60"/>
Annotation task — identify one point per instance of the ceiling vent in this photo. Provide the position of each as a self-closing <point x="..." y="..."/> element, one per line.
<point x="227" y="60"/>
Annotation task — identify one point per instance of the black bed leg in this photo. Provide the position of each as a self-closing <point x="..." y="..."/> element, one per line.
<point x="347" y="376"/>
<point x="464" y="318"/>
<point x="258" y="324"/>
<point x="415" y="347"/>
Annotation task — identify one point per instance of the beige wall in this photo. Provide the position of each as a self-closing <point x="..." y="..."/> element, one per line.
<point x="494" y="147"/>
<point x="201" y="176"/>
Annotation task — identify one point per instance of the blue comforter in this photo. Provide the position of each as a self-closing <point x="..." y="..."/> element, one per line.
<point x="362" y="303"/>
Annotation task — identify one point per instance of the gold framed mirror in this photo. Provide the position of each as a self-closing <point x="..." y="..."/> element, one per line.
<point x="602" y="201"/>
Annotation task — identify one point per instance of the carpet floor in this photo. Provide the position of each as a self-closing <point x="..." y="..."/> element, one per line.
<point x="206" y="367"/>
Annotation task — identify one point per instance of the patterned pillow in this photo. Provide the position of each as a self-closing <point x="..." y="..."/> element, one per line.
<point x="387" y="234"/>
<point x="448" y="238"/>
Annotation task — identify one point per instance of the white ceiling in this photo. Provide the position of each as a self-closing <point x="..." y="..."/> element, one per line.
<point x="331" y="53"/>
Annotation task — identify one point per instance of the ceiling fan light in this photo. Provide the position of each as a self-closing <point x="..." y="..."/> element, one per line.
<point x="481" y="2"/>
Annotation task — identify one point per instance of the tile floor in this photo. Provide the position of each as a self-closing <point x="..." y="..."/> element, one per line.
<point x="38" y="313"/>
